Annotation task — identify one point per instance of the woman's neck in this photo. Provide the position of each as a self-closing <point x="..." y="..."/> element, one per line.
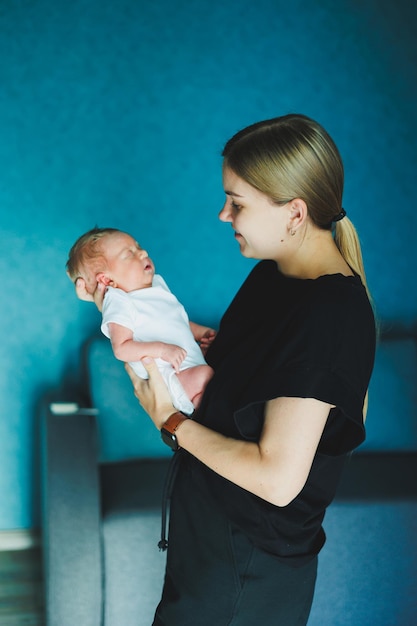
<point x="315" y="255"/>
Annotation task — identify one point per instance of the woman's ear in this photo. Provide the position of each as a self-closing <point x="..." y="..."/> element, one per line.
<point x="102" y="278"/>
<point x="298" y="214"/>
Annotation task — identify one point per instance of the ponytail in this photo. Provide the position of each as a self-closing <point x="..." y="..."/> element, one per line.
<point x="347" y="240"/>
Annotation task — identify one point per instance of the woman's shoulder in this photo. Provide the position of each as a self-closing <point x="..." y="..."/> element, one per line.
<point x="340" y="292"/>
<point x="338" y="306"/>
<point x="264" y="275"/>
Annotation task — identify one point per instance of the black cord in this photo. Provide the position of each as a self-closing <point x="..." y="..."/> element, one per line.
<point x="166" y="497"/>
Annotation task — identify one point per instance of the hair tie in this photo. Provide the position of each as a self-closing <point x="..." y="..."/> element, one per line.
<point x="339" y="216"/>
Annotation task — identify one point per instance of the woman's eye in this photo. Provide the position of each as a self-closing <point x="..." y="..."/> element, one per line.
<point x="235" y="206"/>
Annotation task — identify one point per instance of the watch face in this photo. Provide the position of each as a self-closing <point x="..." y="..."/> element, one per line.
<point x="169" y="438"/>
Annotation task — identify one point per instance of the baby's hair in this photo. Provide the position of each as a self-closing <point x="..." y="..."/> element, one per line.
<point x="86" y="257"/>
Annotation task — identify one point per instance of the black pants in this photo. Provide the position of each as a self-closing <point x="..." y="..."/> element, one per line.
<point x="216" y="577"/>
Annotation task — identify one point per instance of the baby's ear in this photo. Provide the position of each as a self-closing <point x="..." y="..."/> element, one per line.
<point x="103" y="279"/>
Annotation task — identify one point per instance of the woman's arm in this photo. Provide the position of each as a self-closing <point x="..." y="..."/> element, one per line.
<point x="276" y="468"/>
<point x="125" y="348"/>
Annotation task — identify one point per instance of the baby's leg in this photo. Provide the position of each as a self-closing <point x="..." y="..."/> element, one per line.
<point x="194" y="381"/>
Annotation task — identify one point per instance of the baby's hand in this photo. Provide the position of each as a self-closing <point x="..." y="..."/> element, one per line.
<point x="173" y="354"/>
<point x="207" y="339"/>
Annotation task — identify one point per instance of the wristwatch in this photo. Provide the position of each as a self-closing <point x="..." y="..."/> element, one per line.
<point x="170" y="426"/>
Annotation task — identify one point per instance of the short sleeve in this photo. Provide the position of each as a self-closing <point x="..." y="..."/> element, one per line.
<point x="328" y="355"/>
<point x="344" y="430"/>
<point x="117" y="310"/>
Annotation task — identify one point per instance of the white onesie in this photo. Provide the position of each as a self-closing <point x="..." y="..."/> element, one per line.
<point x="155" y="314"/>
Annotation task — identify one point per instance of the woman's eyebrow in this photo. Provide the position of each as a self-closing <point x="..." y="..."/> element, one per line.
<point x="232" y="193"/>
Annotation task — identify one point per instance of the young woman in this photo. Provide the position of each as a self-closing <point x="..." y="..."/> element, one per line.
<point x="262" y="457"/>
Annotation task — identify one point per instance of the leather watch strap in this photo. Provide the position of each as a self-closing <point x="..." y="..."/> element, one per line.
<point x="174" y="421"/>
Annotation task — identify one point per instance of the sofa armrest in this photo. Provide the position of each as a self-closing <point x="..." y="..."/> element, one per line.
<point x="71" y="516"/>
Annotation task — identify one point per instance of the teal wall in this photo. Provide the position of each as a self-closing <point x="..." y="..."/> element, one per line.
<point x="114" y="112"/>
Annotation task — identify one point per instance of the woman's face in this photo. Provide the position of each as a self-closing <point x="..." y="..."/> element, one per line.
<point x="260" y="225"/>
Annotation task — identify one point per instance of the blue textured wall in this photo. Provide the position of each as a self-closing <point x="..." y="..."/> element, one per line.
<point x="114" y="113"/>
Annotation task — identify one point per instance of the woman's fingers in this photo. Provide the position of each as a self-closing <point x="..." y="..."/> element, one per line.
<point x="98" y="295"/>
<point x="153" y="393"/>
<point x="156" y="382"/>
<point x="81" y="290"/>
<point x="136" y="380"/>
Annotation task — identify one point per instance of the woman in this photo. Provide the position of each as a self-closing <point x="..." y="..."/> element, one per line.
<point x="262" y="457"/>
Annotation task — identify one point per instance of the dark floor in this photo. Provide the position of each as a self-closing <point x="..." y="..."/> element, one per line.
<point x="21" y="601"/>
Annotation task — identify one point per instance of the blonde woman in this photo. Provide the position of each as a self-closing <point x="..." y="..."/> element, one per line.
<point x="262" y="457"/>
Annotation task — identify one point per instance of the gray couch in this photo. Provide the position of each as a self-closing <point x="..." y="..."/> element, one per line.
<point x="103" y="468"/>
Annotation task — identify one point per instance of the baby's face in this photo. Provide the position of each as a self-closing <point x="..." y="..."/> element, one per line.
<point x="128" y="266"/>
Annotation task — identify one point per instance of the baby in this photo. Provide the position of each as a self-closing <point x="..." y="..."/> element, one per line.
<point x="141" y="316"/>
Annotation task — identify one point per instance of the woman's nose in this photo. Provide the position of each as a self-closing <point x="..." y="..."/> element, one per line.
<point x="225" y="214"/>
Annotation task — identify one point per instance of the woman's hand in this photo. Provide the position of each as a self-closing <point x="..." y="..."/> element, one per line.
<point x="97" y="297"/>
<point x="81" y="290"/>
<point x="153" y="393"/>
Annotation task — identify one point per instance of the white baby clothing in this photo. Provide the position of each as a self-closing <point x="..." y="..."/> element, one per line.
<point x="155" y="314"/>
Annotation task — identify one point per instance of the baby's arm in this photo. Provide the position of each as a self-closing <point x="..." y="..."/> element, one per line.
<point x="125" y="348"/>
<point x="203" y="335"/>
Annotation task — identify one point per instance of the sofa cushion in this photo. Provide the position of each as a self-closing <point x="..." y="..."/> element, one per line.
<point x="125" y="430"/>
<point x="368" y="567"/>
<point x="134" y="567"/>
<point x="131" y="496"/>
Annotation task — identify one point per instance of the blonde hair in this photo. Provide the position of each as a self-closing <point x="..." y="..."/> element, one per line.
<point x="294" y="157"/>
<point x="86" y="257"/>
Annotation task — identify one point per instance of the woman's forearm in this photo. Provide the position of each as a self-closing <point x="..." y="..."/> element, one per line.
<point x="275" y="468"/>
<point x="241" y="462"/>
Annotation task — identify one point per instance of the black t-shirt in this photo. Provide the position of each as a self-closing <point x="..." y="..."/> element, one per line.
<point x="289" y="337"/>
